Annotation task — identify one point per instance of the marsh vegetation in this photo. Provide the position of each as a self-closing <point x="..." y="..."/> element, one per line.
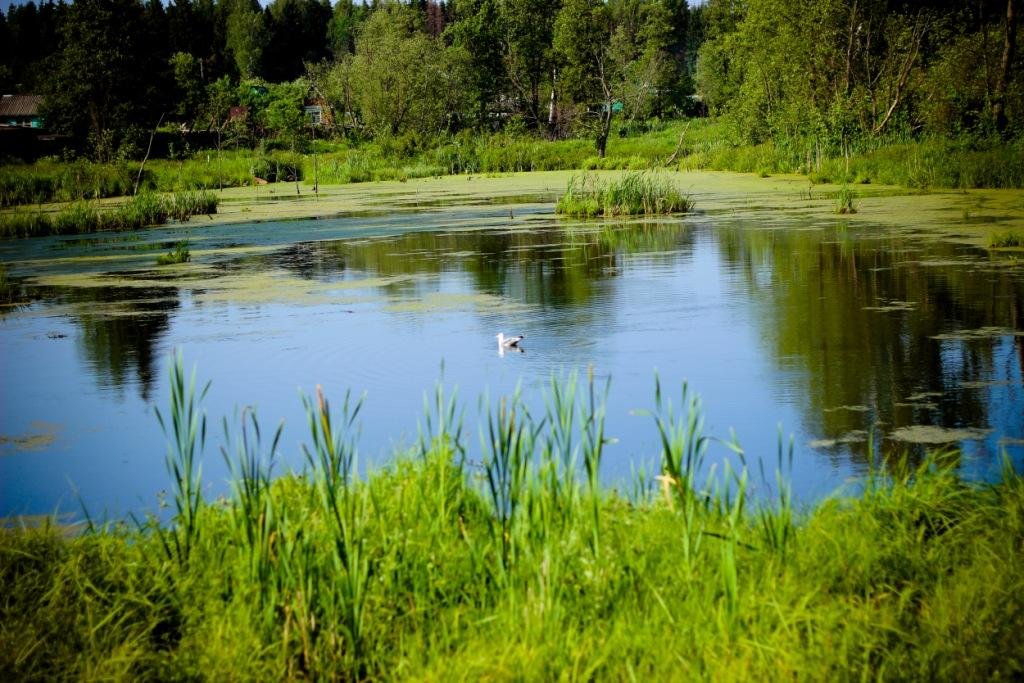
<point x="83" y="216"/>
<point x="634" y="194"/>
<point x="523" y="564"/>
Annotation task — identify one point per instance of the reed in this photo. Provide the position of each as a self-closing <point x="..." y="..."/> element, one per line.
<point x="633" y="194"/>
<point x="140" y="211"/>
<point x="183" y="205"/>
<point x="845" y="201"/>
<point x="514" y="562"/>
<point x="180" y="254"/>
<point x="185" y="429"/>
<point x="1002" y="240"/>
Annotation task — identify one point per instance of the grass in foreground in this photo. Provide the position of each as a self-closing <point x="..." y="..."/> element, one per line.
<point x="520" y="566"/>
<point x="633" y="194"/>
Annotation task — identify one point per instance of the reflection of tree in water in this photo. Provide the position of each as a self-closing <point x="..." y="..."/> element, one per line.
<point x="121" y="327"/>
<point x="858" y="319"/>
<point x="547" y="266"/>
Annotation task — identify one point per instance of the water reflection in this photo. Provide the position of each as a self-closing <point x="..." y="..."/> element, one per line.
<point x="835" y="333"/>
<point x="550" y="266"/>
<point x="884" y="332"/>
<point x="120" y="329"/>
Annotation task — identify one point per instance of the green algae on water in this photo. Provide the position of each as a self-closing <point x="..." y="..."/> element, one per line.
<point x="41" y="436"/>
<point x="930" y="434"/>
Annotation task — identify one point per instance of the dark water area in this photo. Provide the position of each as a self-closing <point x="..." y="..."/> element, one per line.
<point x="851" y="342"/>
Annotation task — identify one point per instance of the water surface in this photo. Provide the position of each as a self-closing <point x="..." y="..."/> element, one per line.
<point x="845" y="338"/>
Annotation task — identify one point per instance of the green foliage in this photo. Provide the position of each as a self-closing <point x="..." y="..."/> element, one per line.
<point x="845" y="201"/>
<point x="478" y="32"/>
<point x="246" y="37"/>
<point x="180" y="254"/>
<point x="401" y="79"/>
<point x="343" y="27"/>
<point x="188" y="79"/>
<point x="284" y="115"/>
<point x="631" y="195"/>
<point x="142" y="210"/>
<point x="1001" y="240"/>
<point x="521" y="567"/>
<point x="101" y="81"/>
<point x="836" y="74"/>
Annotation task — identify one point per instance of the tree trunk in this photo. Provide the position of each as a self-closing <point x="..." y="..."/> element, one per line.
<point x="551" y="104"/>
<point x="851" y="32"/>
<point x="149" y="148"/>
<point x="1009" y="48"/>
<point x="606" y="126"/>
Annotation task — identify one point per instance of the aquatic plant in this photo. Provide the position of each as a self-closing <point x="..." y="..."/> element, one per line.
<point x="180" y="254"/>
<point x="183" y="205"/>
<point x="518" y="563"/>
<point x="10" y="292"/>
<point x="1000" y="240"/>
<point x="633" y="194"/>
<point x="141" y="210"/>
<point x="845" y="201"/>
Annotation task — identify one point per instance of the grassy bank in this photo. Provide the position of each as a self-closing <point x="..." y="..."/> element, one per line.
<point x="84" y="216"/>
<point x="520" y="566"/>
<point x="698" y="144"/>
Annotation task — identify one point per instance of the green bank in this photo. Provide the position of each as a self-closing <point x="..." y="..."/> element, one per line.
<point x="522" y="565"/>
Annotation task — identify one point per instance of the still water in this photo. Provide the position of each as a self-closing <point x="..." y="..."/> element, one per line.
<point x="841" y="338"/>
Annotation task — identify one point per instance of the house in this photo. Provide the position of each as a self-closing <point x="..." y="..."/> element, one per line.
<point x="314" y="114"/>
<point x="318" y="112"/>
<point x="21" y="111"/>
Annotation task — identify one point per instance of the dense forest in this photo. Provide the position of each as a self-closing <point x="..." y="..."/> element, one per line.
<point x="827" y="77"/>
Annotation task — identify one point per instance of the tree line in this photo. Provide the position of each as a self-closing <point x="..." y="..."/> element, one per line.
<point x="840" y="72"/>
<point x="111" y="69"/>
<point x="824" y="76"/>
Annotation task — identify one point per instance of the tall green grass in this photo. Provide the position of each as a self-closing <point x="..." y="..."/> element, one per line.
<point x="845" y="201"/>
<point x="1002" y="240"/>
<point x="519" y="563"/>
<point x="180" y="254"/>
<point x="142" y="210"/>
<point x="706" y="144"/>
<point x="636" y="193"/>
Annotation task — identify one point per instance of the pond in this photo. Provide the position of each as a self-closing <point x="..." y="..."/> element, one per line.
<point x="845" y="337"/>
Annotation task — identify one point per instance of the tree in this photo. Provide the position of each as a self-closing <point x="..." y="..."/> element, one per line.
<point x="297" y="33"/>
<point x="477" y="29"/>
<point x="403" y="79"/>
<point x="1005" y="66"/>
<point x="610" y="53"/>
<point x="246" y="36"/>
<point x="284" y="115"/>
<point x="346" y="19"/>
<point x="528" y="30"/>
<point x="101" y="83"/>
<point x="188" y="79"/>
<point x="582" y="40"/>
